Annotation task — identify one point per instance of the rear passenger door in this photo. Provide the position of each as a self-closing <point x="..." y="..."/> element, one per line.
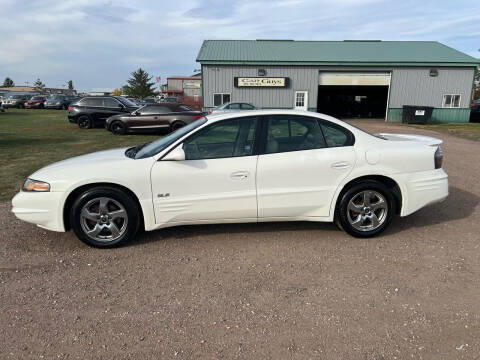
<point x="301" y="166"/>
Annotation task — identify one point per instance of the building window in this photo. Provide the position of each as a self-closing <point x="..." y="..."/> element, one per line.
<point x="299" y="99"/>
<point x="220" y="99"/>
<point x="451" y="101"/>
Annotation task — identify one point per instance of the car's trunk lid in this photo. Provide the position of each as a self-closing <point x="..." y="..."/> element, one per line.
<point x="410" y="137"/>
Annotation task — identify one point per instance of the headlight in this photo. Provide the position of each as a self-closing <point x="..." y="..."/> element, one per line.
<point x="35" y="185"/>
<point x="58" y="103"/>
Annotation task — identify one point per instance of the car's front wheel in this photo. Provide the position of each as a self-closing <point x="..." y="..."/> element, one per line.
<point x="105" y="217"/>
<point x="118" y="128"/>
<point x="84" y="122"/>
<point x="365" y="209"/>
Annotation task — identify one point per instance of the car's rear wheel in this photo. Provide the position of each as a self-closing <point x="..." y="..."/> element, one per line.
<point x="118" y="127"/>
<point x="84" y="122"/>
<point x="365" y="209"/>
<point x="177" y="125"/>
<point x="105" y="217"/>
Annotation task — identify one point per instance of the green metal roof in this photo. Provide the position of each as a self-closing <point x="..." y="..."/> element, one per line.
<point x="348" y="52"/>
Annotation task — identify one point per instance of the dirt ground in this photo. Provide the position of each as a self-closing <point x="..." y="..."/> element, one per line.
<point x="254" y="291"/>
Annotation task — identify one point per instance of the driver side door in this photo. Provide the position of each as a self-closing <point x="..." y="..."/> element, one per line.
<point x="215" y="182"/>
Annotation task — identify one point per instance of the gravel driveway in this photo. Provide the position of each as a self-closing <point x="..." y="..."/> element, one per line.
<point x="254" y="291"/>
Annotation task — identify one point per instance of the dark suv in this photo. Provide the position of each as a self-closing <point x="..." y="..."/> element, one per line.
<point x="59" y="101"/>
<point x="91" y="111"/>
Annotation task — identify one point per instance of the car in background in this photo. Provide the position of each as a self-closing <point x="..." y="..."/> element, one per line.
<point x="36" y="102"/>
<point x="59" y="101"/>
<point x="475" y="103"/>
<point x="148" y="101"/>
<point x="231" y="107"/>
<point x="91" y="111"/>
<point x="171" y="99"/>
<point x="16" y="101"/>
<point x="475" y="113"/>
<point x="159" y="117"/>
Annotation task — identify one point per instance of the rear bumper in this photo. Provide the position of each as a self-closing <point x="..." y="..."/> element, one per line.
<point x="423" y="188"/>
<point x="42" y="209"/>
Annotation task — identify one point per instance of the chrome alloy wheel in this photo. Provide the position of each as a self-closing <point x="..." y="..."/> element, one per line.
<point x="104" y="219"/>
<point x="367" y="210"/>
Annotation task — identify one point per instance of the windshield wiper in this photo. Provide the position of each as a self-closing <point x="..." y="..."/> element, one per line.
<point x="131" y="152"/>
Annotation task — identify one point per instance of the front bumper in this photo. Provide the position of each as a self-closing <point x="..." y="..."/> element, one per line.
<point x="43" y="209"/>
<point x="9" y="106"/>
<point x="423" y="188"/>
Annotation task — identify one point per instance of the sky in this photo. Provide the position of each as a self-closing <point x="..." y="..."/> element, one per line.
<point x="98" y="43"/>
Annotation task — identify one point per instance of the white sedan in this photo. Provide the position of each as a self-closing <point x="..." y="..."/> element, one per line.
<point x="256" y="166"/>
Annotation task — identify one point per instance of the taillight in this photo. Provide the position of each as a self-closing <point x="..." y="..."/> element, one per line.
<point x="196" y="117"/>
<point x="438" y="157"/>
<point x="211" y="111"/>
<point x="70" y="108"/>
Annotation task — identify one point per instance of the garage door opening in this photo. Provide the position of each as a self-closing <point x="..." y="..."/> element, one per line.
<point x="348" y="94"/>
<point x="353" y="101"/>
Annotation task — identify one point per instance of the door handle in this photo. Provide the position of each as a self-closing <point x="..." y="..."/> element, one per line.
<point x="341" y="165"/>
<point x="239" y="175"/>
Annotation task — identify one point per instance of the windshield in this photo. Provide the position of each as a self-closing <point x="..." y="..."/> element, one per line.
<point x="161" y="144"/>
<point x="14" y="96"/>
<point x="37" y="98"/>
<point x="126" y="102"/>
<point x="55" y="97"/>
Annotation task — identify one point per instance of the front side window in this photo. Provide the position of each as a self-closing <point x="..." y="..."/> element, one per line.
<point x="451" y="101"/>
<point x="220" y="99"/>
<point x="235" y="106"/>
<point x="152" y="109"/>
<point x="293" y="133"/>
<point x="225" y="139"/>
<point x="336" y="135"/>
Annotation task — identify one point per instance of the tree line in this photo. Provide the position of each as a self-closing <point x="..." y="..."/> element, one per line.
<point x="38" y="85"/>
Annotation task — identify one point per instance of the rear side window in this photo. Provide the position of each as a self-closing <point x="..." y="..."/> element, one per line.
<point x="234" y="106"/>
<point x="293" y="133"/>
<point x="247" y="107"/>
<point x="336" y="135"/>
<point x="92" y="102"/>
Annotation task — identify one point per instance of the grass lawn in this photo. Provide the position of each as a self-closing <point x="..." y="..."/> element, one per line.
<point x="465" y="130"/>
<point x="32" y="138"/>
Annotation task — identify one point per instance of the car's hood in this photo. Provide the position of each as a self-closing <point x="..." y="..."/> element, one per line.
<point x="410" y="137"/>
<point x="89" y="163"/>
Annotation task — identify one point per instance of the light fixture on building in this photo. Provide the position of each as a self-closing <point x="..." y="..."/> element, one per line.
<point x="262" y="72"/>
<point x="433" y="72"/>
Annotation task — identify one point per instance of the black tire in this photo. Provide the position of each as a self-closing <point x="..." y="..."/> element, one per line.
<point x="41" y="106"/>
<point x="21" y="106"/>
<point x="344" y="216"/>
<point x="177" y="125"/>
<point x="84" y="122"/>
<point x="118" y="127"/>
<point x="117" y="196"/>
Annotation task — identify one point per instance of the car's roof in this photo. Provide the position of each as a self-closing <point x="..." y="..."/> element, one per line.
<point x="216" y="117"/>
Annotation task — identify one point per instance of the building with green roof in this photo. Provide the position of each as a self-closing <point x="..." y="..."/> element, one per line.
<point x="346" y="79"/>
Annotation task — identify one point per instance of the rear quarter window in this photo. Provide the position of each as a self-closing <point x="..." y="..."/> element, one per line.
<point x="336" y="135"/>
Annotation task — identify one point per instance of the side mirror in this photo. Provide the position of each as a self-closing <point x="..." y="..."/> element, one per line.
<point x="176" y="154"/>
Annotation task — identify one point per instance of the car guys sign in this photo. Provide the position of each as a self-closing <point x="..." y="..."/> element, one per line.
<point x="261" y="82"/>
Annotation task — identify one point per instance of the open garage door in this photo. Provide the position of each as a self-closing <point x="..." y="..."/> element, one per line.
<point x="353" y="95"/>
